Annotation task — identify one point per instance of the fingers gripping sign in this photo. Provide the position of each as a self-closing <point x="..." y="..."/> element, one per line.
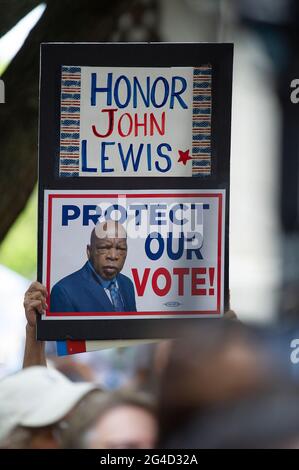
<point x="35" y="302"/>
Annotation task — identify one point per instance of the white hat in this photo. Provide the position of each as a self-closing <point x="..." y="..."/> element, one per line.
<point x="37" y="397"/>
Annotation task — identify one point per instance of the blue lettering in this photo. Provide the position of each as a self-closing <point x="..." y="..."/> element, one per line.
<point x="163" y="155"/>
<point x="84" y="158"/>
<point x="196" y="250"/>
<point x="130" y="155"/>
<point x="87" y="216"/>
<point x="116" y="207"/>
<point x="150" y="254"/>
<point x="69" y="212"/>
<point x="116" y="92"/>
<point x="173" y="216"/>
<point x="156" y="214"/>
<point x="145" y="93"/>
<point x="153" y="92"/>
<point x="172" y="255"/>
<point x="176" y="94"/>
<point x="137" y="86"/>
<point x="149" y="156"/>
<point x="95" y="89"/>
<point x="138" y="208"/>
<point x="105" y="157"/>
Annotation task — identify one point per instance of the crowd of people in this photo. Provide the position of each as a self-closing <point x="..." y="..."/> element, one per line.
<point x="217" y="386"/>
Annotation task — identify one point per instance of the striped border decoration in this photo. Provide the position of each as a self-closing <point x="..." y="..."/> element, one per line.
<point x="201" y="120"/>
<point x="70" y="121"/>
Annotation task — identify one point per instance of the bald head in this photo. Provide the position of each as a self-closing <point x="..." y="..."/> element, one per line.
<point x="108" y="229"/>
<point x="108" y="248"/>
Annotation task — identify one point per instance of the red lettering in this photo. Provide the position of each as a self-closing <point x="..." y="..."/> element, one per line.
<point x="140" y="286"/>
<point x="161" y="272"/>
<point x="110" y="112"/>
<point x="198" y="281"/>
<point x="119" y="126"/>
<point x="181" y="272"/>
<point x="153" y="122"/>
<point x="140" y="124"/>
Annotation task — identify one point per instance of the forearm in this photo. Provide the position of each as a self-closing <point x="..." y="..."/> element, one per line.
<point x="34" y="354"/>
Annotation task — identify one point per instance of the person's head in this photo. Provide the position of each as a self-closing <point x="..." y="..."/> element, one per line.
<point x="213" y="365"/>
<point x="107" y="250"/>
<point x="124" y="420"/>
<point x="35" y="404"/>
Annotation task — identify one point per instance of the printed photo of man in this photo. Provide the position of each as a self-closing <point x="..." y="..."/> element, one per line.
<point x="99" y="285"/>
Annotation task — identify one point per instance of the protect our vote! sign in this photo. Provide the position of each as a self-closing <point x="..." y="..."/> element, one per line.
<point x="135" y="121"/>
<point x="175" y="239"/>
<point x="137" y="133"/>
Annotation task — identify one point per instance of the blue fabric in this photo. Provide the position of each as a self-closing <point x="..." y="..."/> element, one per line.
<point x="61" y="348"/>
<point x="116" y="297"/>
<point x="82" y="291"/>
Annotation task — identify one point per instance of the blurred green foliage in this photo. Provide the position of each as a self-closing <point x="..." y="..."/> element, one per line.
<point x="18" y="251"/>
<point x="3" y="66"/>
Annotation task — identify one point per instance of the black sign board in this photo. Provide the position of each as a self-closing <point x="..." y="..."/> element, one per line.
<point x="134" y="164"/>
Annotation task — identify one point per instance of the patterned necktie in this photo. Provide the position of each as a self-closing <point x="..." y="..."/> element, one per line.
<point x="115" y="297"/>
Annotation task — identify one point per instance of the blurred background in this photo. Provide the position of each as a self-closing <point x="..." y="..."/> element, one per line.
<point x="264" y="199"/>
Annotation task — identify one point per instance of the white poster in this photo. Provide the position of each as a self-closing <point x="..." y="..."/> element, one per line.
<point x="135" y="121"/>
<point x="166" y="255"/>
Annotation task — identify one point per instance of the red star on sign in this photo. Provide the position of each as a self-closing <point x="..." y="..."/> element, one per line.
<point x="184" y="156"/>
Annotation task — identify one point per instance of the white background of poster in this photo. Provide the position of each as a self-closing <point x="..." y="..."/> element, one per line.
<point x="68" y="253"/>
<point x="178" y="121"/>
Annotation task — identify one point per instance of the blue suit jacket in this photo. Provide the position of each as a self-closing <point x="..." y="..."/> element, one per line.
<point x="82" y="291"/>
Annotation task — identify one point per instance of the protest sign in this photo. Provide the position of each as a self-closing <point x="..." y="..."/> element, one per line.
<point x="154" y="119"/>
<point x="174" y="258"/>
<point x="135" y="122"/>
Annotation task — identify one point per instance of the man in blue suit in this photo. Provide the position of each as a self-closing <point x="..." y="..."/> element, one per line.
<point x="98" y="286"/>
